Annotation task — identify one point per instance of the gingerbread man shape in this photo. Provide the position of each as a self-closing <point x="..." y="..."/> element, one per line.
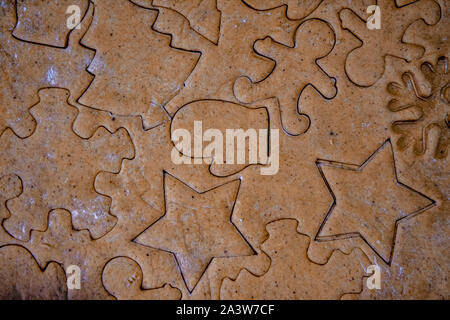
<point x="295" y="68"/>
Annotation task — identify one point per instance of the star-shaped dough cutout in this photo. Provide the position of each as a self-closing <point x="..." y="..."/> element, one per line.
<point x="369" y="201"/>
<point x="196" y="227"/>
